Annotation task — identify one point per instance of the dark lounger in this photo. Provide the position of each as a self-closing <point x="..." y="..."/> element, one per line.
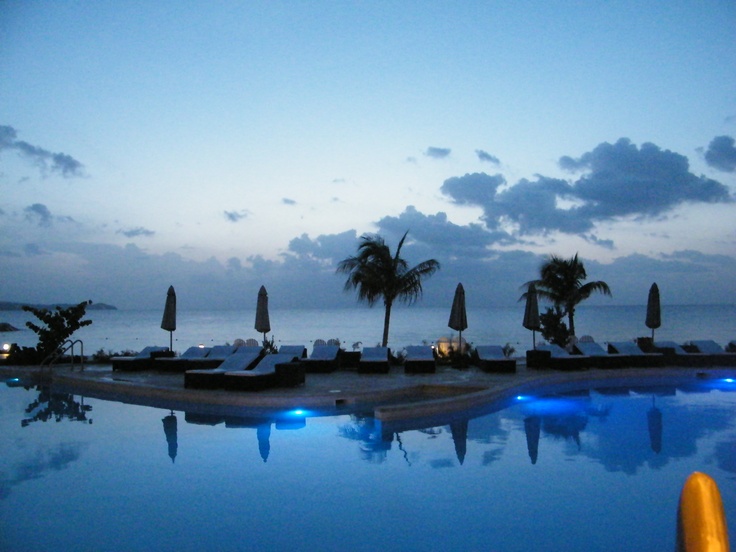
<point x="420" y="359"/>
<point x="490" y="358"/>
<point x="261" y="377"/>
<point x="374" y="360"/>
<point x="324" y="358"/>
<point x="142" y="361"/>
<point x="215" y="356"/>
<point x="718" y="356"/>
<point x="299" y="351"/>
<point x="637" y="357"/>
<point x="598" y="357"/>
<point x="560" y="359"/>
<point x="675" y="355"/>
<point x="180" y="363"/>
<point x="244" y="358"/>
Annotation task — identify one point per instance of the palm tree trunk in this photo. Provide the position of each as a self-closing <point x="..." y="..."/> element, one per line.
<point x="571" y="319"/>
<point x="386" y="320"/>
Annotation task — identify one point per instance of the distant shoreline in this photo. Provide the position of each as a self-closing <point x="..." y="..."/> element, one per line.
<point x="8" y="306"/>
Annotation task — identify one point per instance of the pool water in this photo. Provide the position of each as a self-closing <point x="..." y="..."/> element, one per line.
<point x="594" y="469"/>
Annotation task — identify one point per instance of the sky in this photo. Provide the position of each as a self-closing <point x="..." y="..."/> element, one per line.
<point x="222" y="146"/>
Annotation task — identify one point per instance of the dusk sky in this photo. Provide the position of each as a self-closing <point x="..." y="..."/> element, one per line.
<point x="218" y="146"/>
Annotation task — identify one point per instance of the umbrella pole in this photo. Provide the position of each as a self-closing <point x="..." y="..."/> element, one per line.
<point x="171" y="341"/>
<point x="534" y="340"/>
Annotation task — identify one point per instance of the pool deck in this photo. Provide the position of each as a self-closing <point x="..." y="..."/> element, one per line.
<point x="393" y="396"/>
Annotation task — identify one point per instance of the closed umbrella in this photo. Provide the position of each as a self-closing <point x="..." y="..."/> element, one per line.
<point x="458" y="316"/>
<point x="263" y="434"/>
<point x="263" y="324"/>
<point x="654" y="311"/>
<point x="531" y="313"/>
<point x="532" y="427"/>
<point x="459" y="431"/>
<point x="168" y="322"/>
<point x="654" y="422"/>
<point x="170" y="432"/>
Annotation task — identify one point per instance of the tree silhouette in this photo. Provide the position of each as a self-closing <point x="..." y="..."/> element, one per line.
<point x="561" y="282"/>
<point x="375" y="274"/>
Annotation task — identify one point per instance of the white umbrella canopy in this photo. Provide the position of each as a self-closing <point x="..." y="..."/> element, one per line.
<point x="168" y="322"/>
<point x="531" y="313"/>
<point x="263" y="324"/>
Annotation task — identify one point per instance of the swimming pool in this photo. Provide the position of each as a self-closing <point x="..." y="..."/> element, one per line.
<point x="587" y="469"/>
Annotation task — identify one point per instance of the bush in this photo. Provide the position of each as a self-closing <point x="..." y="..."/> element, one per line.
<point x="554" y="329"/>
<point x="60" y="325"/>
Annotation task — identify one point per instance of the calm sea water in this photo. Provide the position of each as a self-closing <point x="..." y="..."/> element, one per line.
<point x="600" y="470"/>
<point x="132" y="330"/>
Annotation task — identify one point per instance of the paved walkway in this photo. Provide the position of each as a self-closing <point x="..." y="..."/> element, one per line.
<point x="393" y="396"/>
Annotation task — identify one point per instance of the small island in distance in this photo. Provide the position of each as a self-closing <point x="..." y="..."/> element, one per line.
<point x="8" y="306"/>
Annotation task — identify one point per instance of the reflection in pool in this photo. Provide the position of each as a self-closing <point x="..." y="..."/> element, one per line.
<point x="594" y="469"/>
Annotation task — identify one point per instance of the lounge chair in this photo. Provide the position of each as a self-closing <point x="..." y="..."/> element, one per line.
<point x="374" y="360"/>
<point x="299" y="351"/>
<point x="214" y="357"/>
<point x="324" y="358"/>
<point x="490" y="358"/>
<point x="142" y="361"/>
<point x="560" y="359"/>
<point x="731" y="347"/>
<point x="676" y="355"/>
<point x="420" y="359"/>
<point x="180" y="363"/>
<point x="244" y="358"/>
<point x="261" y="377"/>
<point x="637" y="357"/>
<point x="598" y="357"/>
<point x="199" y="418"/>
<point x="717" y="354"/>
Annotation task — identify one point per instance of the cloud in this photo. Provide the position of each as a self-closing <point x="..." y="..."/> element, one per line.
<point x="287" y="201"/>
<point x="472" y="189"/>
<point x="622" y="179"/>
<point x="438" y="233"/>
<point x="235" y="216"/>
<point x="617" y="180"/>
<point x="437" y="153"/>
<point x="39" y="214"/>
<point x="331" y="247"/>
<point x="233" y="263"/>
<point x="485" y="156"/>
<point x="592" y="238"/>
<point x="304" y="276"/>
<point x="33" y="249"/>
<point x="60" y="163"/>
<point x="721" y="154"/>
<point x="137" y="232"/>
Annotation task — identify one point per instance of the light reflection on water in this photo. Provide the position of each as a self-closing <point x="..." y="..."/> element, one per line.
<point x="604" y="466"/>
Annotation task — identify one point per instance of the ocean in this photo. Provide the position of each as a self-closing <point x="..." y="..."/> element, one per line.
<point x="131" y="330"/>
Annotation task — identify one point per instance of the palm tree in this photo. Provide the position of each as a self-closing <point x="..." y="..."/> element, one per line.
<point x="375" y="273"/>
<point x="561" y="282"/>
